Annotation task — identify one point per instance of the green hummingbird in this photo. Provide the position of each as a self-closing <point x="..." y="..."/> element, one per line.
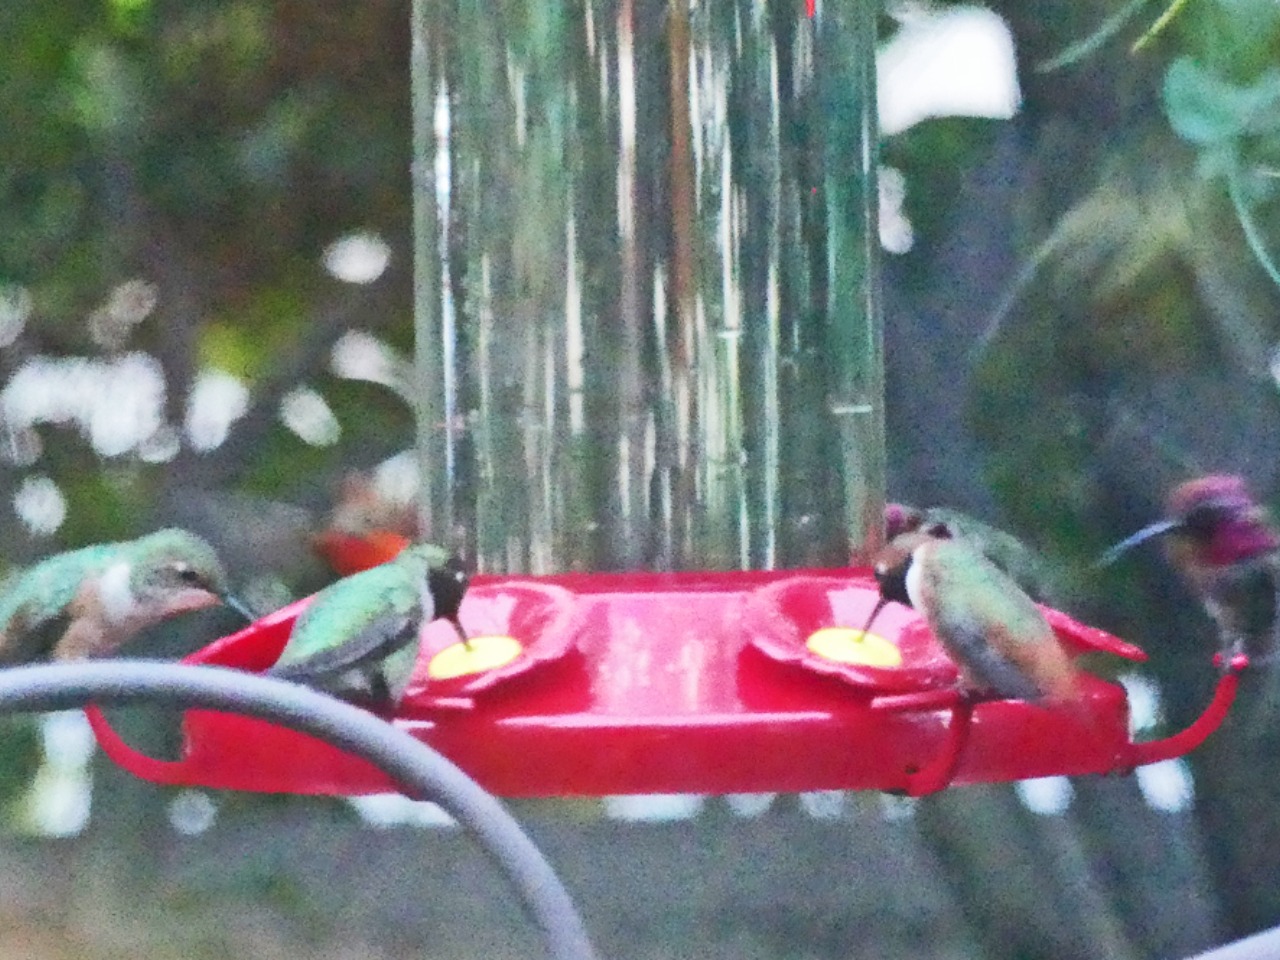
<point x="994" y="632"/>
<point x="357" y="639"/>
<point x="88" y="602"/>
<point x="1028" y="568"/>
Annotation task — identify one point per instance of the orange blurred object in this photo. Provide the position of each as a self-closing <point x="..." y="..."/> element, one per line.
<point x="350" y="553"/>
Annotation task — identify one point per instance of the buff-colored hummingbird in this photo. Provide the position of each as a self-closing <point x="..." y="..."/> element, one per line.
<point x="88" y="602"/>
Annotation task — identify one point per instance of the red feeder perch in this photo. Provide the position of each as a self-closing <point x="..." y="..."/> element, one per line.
<point x="687" y="682"/>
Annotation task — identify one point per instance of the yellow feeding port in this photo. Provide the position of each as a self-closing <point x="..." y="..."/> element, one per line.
<point x="475" y="656"/>
<point x="848" y="645"/>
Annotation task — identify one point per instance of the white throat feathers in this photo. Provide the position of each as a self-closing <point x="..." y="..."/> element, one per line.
<point x="116" y="595"/>
<point x="913" y="578"/>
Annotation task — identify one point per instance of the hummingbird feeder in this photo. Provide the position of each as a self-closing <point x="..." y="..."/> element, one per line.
<point x="697" y="682"/>
<point x="661" y="345"/>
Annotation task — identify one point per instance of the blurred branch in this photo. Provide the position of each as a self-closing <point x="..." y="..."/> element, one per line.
<point x="181" y="308"/>
<point x="373" y="305"/>
<point x="1162" y="21"/>
<point x="1250" y="227"/>
<point x="1077" y="51"/>
<point x="1057" y="240"/>
<point x="1233" y="302"/>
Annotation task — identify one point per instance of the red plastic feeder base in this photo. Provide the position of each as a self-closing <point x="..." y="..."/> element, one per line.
<point x="687" y="682"/>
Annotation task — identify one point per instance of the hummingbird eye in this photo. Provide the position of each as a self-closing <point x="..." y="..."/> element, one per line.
<point x="186" y="573"/>
<point x="455" y="570"/>
<point x="1205" y="518"/>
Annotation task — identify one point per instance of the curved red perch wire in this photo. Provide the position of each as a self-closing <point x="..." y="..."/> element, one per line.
<point x="939" y="772"/>
<point x="1224" y="695"/>
<point x="942" y="770"/>
<point x="170" y="773"/>
<point x="269" y="634"/>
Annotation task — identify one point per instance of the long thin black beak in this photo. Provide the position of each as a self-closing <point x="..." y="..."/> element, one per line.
<point x="240" y="607"/>
<point x="1128" y="543"/>
<point x="462" y="634"/>
<point x="875" y="612"/>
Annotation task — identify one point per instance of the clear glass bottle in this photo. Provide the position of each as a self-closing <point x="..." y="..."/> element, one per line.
<point x="647" y="309"/>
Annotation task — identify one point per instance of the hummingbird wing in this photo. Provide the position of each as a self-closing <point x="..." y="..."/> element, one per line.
<point x="379" y="639"/>
<point x="38" y="597"/>
<point x="993" y="628"/>
<point x="987" y="667"/>
<point x="26" y="640"/>
<point x="33" y="615"/>
<point x="1026" y="566"/>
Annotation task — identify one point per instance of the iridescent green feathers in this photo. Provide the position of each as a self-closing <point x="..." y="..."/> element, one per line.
<point x="87" y="602"/>
<point x="358" y="637"/>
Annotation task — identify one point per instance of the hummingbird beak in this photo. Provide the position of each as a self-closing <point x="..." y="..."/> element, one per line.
<point x="1128" y="543"/>
<point x="462" y="634"/>
<point x="239" y="606"/>
<point x="875" y="612"/>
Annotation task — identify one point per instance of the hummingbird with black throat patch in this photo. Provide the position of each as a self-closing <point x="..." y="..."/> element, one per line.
<point x="994" y="632"/>
<point x="1026" y="566"/>
<point x="1223" y="544"/>
<point x="358" y="638"/>
<point x="88" y="602"/>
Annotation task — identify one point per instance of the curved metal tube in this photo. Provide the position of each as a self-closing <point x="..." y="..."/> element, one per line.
<point x="422" y="772"/>
<point x="1260" y="946"/>
<point x="1184" y="741"/>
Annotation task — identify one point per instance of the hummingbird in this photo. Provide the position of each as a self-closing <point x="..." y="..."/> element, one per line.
<point x="1031" y="571"/>
<point x="358" y="637"/>
<point x="365" y="527"/>
<point x="88" y="602"/>
<point x="994" y="632"/>
<point x="362" y="508"/>
<point x="1225" y="547"/>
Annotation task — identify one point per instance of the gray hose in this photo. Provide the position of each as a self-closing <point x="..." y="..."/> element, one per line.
<point x="1260" y="946"/>
<point x="422" y="772"/>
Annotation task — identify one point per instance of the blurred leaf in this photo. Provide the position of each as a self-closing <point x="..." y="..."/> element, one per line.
<point x="107" y="95"/>
<point x="266" y="150"/>
<point x="1237" y="37"/>
<point x="20" y="757"/>
<point x="1166" y="18"/>
<point x="129" y="16"/>
<point x="1248" y="223"/>
<point x="1218" y="159"/>
<point x="1206" y="109"/>
<point x="227" y="347"/>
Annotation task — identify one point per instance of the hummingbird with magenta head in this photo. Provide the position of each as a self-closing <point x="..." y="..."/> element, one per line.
<point x="1225" y="547"/>
<point x="88" y="602"/>
<point x="358" y="638"/>
<point x="994" y="632"/>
